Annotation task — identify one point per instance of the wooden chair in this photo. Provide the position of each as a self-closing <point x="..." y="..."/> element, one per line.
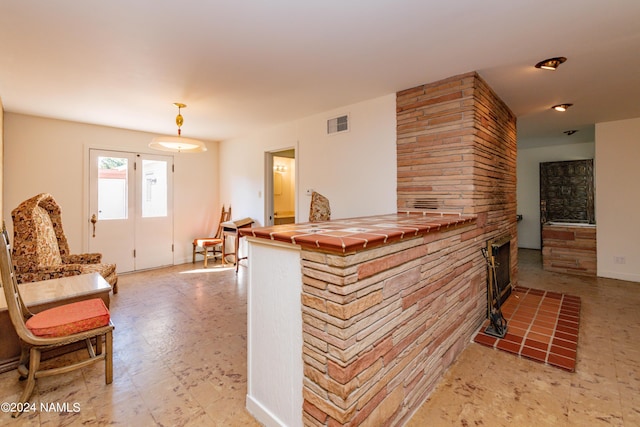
<point x="211" y="245"/>
<point x="59" y="326"/>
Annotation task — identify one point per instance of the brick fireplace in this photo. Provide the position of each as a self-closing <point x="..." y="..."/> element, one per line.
<point x="392" y="332"/>
<point x="403" y="323"/>
<point x="499" y="267"/>
<point x="456" y="151"/>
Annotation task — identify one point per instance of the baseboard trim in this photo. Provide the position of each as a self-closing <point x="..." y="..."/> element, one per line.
<point x="262" y="414"/>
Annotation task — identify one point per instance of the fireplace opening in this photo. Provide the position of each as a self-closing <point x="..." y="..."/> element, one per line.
<point x="500" y="250"/>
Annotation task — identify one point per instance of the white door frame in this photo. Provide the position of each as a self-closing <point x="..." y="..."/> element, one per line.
<point x="268" y="182"/>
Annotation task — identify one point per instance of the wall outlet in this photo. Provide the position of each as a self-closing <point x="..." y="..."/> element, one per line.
<point x="619" y="259"/>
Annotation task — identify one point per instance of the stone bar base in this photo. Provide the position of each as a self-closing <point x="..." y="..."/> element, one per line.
<point x="380" y="327"/>
<point x="569" y="249"/>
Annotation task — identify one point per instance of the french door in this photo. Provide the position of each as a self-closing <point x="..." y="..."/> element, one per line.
<point x="131" y="209"/>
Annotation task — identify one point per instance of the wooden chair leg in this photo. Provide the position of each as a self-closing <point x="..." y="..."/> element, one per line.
<point x="23" y="370"/>
<point x="108" y="357"/>
<point x="34" y="365"/>
<point x="193" y="261"/>
<point x="98" y="345"/>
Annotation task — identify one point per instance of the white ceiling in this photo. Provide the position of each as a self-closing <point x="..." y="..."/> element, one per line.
<point x="244" y="65"/>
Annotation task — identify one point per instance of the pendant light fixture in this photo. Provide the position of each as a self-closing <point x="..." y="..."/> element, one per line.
<point x="178" y="144"/>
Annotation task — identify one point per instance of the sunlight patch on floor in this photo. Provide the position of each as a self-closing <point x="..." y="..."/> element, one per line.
<point x="217" y="269"/>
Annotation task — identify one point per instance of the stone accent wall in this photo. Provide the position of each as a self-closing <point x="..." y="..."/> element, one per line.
<point x="381" y="326"/>
<point x="569" y="249"/>
<point x="456" y="149"/>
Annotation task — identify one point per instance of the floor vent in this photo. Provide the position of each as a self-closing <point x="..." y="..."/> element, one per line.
<point x="338" y="125"/>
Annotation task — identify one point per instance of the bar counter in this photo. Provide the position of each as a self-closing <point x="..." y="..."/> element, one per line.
<point x="356" y="234"/>
<point x="353" y="321"/>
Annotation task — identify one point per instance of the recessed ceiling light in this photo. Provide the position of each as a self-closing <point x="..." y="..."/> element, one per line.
<point x="570" y="132"/>
<point x="561" y="107"/>
<point x="551" y="63"/>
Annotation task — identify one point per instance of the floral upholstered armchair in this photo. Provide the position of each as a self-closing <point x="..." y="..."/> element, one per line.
<point x="40" y="248"/>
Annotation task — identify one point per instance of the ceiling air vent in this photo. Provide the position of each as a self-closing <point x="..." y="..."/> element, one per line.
<point x="338" y="124"/>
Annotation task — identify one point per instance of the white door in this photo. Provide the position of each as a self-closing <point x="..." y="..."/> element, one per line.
<point x="154" y="211"/>
<point x="131" y="200"/>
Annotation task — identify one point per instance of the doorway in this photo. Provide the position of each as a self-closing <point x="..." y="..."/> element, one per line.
<point x="131" y="209"/>
<point x="280" y="182"/>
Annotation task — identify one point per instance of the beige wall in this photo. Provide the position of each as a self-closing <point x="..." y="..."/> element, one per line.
<point x="356" y="170"/>
<point x="46" y="155"/>
<point x="618" y="198"/>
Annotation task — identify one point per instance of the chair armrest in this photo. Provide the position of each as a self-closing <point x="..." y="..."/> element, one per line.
<point x="51" y="272"/>
<point x="90" y="258"/>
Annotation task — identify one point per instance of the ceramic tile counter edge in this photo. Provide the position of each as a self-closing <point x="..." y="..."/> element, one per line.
<point x="351" y="235"/>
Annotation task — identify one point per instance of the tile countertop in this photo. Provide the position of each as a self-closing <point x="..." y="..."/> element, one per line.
<point x="356" y="234"/>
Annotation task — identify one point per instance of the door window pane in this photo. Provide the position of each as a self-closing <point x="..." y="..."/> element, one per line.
<point x="154" y="188"/>
<point x="112" y="188"/>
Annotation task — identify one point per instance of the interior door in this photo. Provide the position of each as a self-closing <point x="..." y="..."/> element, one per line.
<point x="280" y="187"/>
<point x="130" y="209"/>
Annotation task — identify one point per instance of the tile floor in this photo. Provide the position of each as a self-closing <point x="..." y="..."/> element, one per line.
<point x="542" y="326"/>
<point x="179" y="357"/>
<point x="180" y="360"/>
<point x="493" y="388"/>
